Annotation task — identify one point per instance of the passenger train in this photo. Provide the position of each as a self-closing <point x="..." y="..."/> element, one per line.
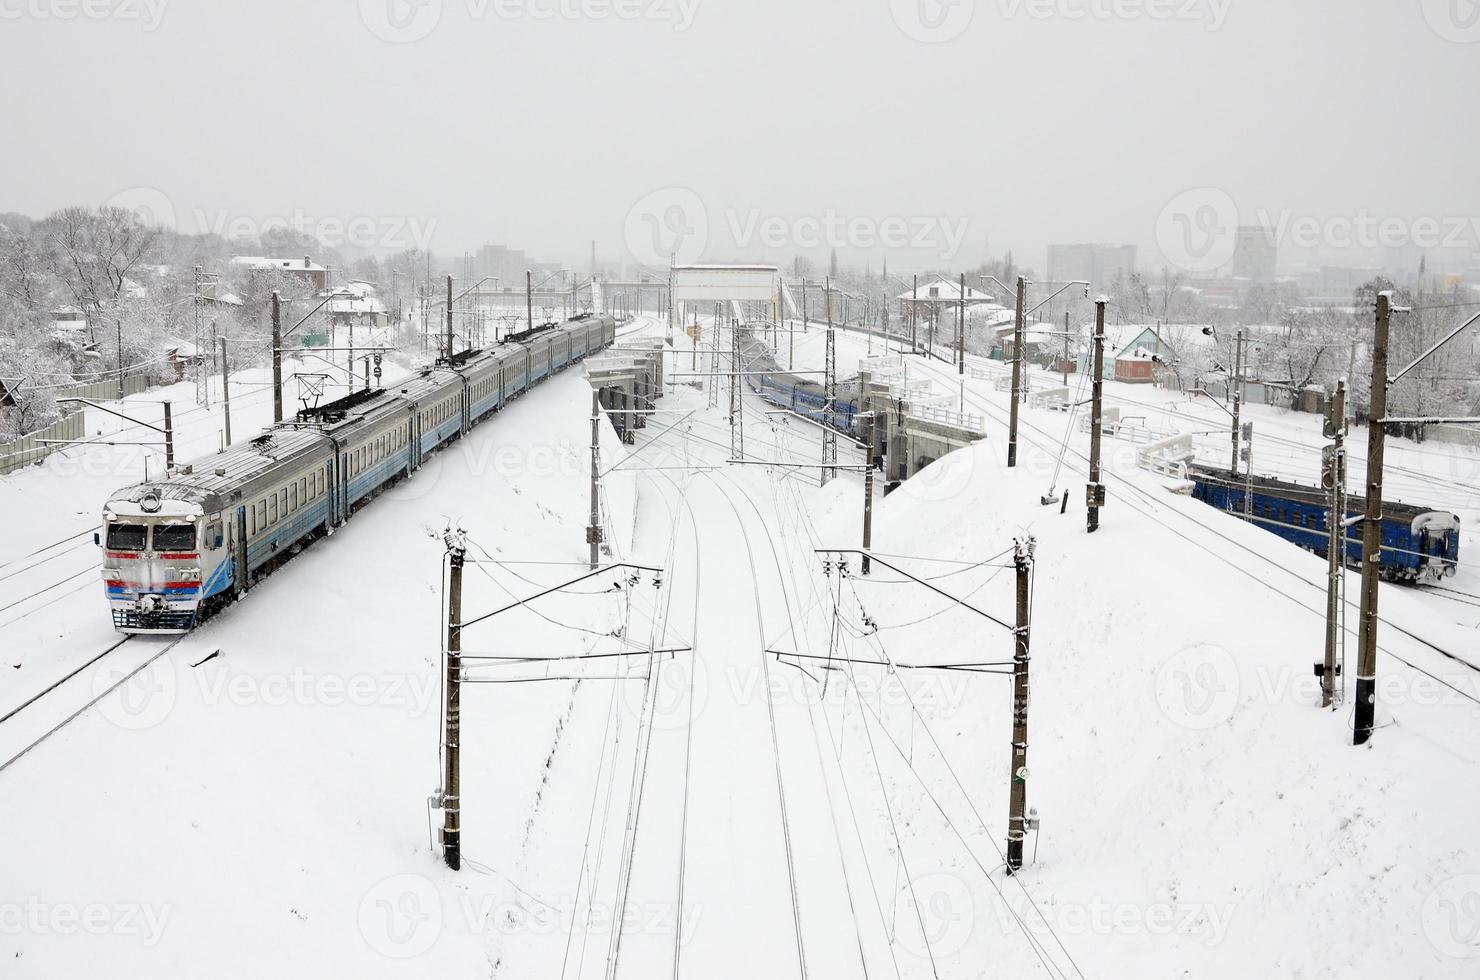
<point x="176" y="550"/>
<point x="799" y="394"/>
<point x="1417" y="543"/>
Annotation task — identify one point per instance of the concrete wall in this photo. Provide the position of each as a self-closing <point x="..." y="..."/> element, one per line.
<point x="29" y="449"/>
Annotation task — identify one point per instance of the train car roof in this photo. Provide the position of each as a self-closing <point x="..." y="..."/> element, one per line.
<point x="1303" y="493"/>
<point x="216" y="481"/>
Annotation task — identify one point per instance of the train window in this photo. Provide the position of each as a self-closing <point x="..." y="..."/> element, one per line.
<point x="213" y="534"/>
<point x="272" y="512"/>
<point x="127" y="537"/>
<point x="293" y="497"/>
<point x="283" y="502"/>
<point x="251" y="521"/>
<point x="303" y="489"/>
<point x="174" y="537"/>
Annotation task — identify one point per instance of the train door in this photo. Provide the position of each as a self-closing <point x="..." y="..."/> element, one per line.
<point x="239" y="552"/>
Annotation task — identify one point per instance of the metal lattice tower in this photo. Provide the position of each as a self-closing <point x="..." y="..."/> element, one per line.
<point x="737" y="423"/>
<point x="202" y="376"/>
<point x="712" y="382"/>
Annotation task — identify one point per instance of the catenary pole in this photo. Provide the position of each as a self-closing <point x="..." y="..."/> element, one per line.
<point x="1334" y="474"/>
<point x="1366" y="707"/>
<point x="1017" y="372"/>
<point x="1022" y="560"/>
<point x="277" y="358"/>
<point x="452" y="721"/>
<point x="1095" y="492"/>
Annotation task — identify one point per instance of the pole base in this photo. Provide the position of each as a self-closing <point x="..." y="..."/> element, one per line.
<point x="1366" y="710"/>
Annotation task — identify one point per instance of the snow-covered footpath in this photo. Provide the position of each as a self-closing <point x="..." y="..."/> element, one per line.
<point x="764" y="801"/>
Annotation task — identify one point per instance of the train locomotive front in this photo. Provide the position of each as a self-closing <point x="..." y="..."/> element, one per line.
<point x="164" y="559"/>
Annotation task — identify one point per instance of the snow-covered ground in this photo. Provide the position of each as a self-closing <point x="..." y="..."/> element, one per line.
<point x="255" y="801"/>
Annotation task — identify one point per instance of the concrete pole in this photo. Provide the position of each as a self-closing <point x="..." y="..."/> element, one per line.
<point x="1017" y="372"/>
<point x="277" y="358"/>
<point x="1096" y="490"/>
<point x="452" y="712"/>
<point x="226" y="390"/>
<point x="1366" y="707"/>
<point x="593" y="530"/>
<point x="1335" y="473"/>
<point x="1018" y="776"/>
<point x="868" y="493"/>
<point x="169" y="437"/>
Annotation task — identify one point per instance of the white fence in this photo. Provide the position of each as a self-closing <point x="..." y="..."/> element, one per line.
<point x="1168" y="456"/>
<point x="945" y="416"/>
<point x="32" y="449"/>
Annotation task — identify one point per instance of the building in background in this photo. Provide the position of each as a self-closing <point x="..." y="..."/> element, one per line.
<point x="1099" y="265"/>
<point x="305" y="268"/>
<point x="1254" y="254"/>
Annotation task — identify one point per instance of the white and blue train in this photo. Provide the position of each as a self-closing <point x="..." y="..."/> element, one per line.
<point x="176" y="550"/>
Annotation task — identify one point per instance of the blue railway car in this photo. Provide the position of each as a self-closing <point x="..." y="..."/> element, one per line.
<point x="177" y="549"/>
<point x="1417" y="543"/>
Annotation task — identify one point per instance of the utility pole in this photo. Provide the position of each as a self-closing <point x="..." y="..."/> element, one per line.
<point x="593" y="530"/>
<point x="1017" y="371"/>
<point x="1333" y="475"/>
<point x="452" y="722"/>
<point x="226" y="390"/>
<point x="830" y="366"/>
<point x="868" y="492"/>
<point x="449" y="330"/>
<point x="277" y="358"/>
<point x="961" y="329"/>
<point x="1064" y="366"/>
<point x="1366" y="707"/>
<point x="1022" y="560"/>
<point x="529" y="299"/>
<point x="169" y="437"/>
<point x="914" y="306"/>
<point x="1238" y="393"/>
<point x="1095" y="492"/>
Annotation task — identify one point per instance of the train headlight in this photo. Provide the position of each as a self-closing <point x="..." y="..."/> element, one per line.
<point x="190" y="575"/>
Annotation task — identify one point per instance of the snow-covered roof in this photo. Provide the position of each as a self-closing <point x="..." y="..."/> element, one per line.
<point x="303" y="264"/>
<point x="945" y="291"/>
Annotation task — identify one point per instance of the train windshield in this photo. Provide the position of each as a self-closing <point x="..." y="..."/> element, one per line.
<point x="127" y="537"/>
<point x="174" y="537"/>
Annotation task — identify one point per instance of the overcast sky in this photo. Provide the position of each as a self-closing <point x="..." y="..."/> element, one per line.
<point x="542" y="124"/>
